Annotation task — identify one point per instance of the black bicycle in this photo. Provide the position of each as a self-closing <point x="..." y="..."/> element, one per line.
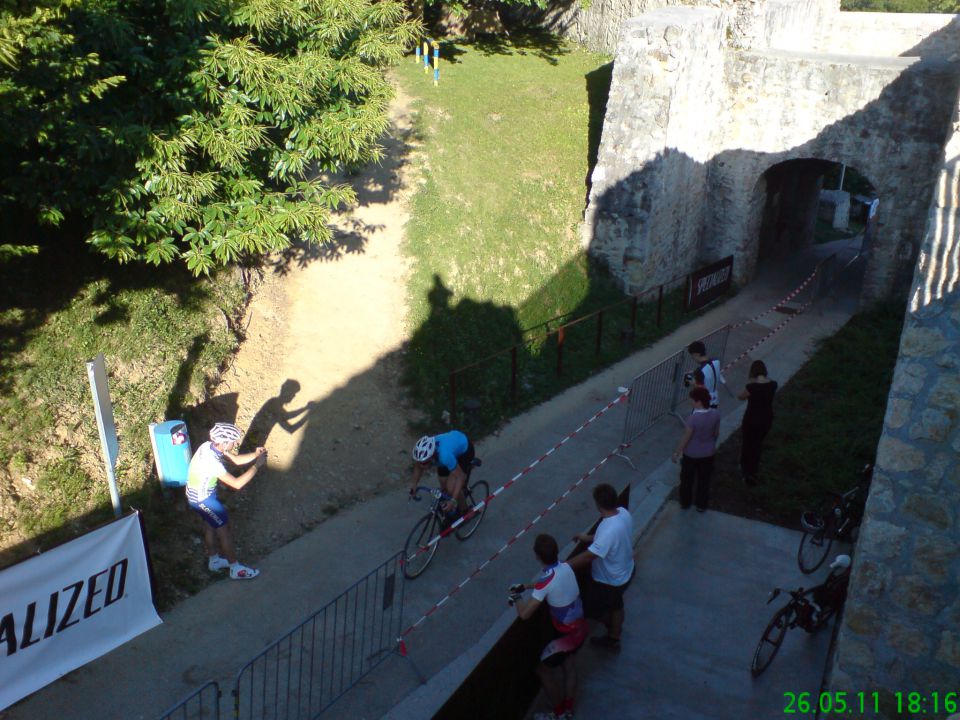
<point x="422" y="544"/>
<point x="808" y="609"/>
<point x="838" y="518"/>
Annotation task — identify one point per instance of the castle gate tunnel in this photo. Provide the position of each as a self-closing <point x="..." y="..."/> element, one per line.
<point x="810" y="202"/>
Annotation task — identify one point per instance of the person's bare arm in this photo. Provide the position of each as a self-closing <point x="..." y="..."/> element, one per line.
<point x="417" y="474"/>
<point x="684" y="439"/>
<point x="743" y="394"/>
<point x="245" y="457"/>
<point x="526" y="608"/>
<point x="582" y="560"/>
<point x="237" y="483"/>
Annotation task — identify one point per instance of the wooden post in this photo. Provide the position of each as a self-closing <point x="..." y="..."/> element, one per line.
<point x="599" y="331"/>
<point x="560" y="338"/>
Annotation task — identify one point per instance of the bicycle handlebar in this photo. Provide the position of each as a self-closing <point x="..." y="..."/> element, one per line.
<point x="435" y="492"/>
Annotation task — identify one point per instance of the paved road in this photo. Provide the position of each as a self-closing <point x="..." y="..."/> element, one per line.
<point x="213" y="633"/>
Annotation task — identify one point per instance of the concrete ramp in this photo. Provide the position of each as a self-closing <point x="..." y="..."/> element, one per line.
<point x="695" y="611"/>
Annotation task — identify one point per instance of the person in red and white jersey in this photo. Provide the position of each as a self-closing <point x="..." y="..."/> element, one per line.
<point x="557" y="586"/>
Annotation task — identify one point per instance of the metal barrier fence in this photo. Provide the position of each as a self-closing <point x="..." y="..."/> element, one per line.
<point x="656" y="392"/>
<point x="308" y="669"/>
<point x="560" y="347"/>
<point x="203" y="704"/>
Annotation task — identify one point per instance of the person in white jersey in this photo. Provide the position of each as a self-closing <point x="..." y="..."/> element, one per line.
<point x="610" y="557"/>
<point x="205" y="472"/>
<point x="557" y="586"/>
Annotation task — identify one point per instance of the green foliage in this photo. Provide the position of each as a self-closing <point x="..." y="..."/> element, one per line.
<point x="902" y="6"/>
<point x="164" y="335"/>
<point x="509" y="137"/>
<point x="192" y="130"/>
<point x="827" y="426"/>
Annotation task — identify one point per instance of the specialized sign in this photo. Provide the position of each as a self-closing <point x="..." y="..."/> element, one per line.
<point x="707" y="284"/>
<point x="72" y="604"/>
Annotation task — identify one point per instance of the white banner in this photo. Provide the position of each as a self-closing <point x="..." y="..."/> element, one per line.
<point x="72" y="604"/>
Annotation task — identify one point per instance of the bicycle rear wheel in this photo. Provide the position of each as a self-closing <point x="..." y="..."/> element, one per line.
<point x="815" y="544"/>
<point x="416" y="554"/>
<point x="771" y="640"/>
<point x="474" y="494"/>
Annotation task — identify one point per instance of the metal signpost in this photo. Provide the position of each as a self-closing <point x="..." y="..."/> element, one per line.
<point x="97" y="372"/>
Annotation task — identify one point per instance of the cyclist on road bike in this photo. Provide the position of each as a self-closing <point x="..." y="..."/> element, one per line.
<point x="452" y="453"/>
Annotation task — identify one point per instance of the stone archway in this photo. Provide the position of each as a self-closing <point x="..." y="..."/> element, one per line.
<point x="786" y="202"/>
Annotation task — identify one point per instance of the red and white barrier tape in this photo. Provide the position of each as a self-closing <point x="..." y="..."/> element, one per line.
<point x="766" y="337"/>
<point x="796" y="291"/>
<point x="457" y="588"/>
<point x="479" y="506"/>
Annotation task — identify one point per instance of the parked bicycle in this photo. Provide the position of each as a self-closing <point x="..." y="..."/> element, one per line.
<point x="808" y="609"/>
<point x="418" y="551"/>
<point x="838" y="518"/>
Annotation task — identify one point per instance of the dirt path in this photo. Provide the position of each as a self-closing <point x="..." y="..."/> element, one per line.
<point x="317" y="380"/>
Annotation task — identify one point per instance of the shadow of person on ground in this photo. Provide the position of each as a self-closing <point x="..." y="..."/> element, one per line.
<point x="274" y="412"/>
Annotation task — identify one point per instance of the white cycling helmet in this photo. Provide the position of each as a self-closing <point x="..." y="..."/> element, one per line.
<point x="225" y="433"/>
<point x="424" y="449"/>
<point x="841" y="562"/>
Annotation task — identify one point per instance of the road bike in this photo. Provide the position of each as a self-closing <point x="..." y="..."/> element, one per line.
<point x="808" y="609"/>
<point x="419" y="550"/>
<point x="838" y="518"/>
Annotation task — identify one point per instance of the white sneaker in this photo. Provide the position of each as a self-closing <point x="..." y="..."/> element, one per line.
<point x="242" y="572"/>
<point x="215" y="562"/>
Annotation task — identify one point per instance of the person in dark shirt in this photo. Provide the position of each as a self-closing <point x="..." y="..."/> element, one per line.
<point x="757" y="420"/>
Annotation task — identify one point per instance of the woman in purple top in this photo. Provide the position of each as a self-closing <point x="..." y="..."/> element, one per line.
<point x="756" y="420"/>
<point x="697" y="446"/>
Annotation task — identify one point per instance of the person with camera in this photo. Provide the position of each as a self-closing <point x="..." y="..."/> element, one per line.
<point x="710" y="367"/>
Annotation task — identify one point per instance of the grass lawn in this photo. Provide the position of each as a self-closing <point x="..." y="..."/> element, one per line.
<point x="163" y="335"/>
<point x="827" y="424"/>
<point x="509" y="138"/>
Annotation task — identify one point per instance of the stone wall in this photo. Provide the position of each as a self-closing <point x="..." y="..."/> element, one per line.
<point x="891" y="34"/>
<point x="596" y="26"/>
<point x="788" y="24"/>
<point x="795" y="24"/>
<point x="645" y="212"/>
<point x="787" y="106"/>
<point x="901" y="627"/>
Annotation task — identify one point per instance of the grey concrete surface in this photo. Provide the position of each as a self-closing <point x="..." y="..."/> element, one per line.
<point x="694" y="614"/>
<point x="211" y="635"/>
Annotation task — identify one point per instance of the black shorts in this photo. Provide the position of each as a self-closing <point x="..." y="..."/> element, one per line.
<point x="601" y="598"/>
<point x="465" y="462"/>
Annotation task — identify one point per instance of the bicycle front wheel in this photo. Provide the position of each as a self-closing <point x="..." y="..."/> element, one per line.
<point x="814" y="548"/>
<point x="417" y="553"/>
<point x="474" y="495"/>
<point x="771" y="641"/>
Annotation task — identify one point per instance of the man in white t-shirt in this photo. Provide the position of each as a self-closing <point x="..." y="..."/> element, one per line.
<point x="710" y="367"/>
<point x="610" y="557"/>
<point x="557" y="585"/>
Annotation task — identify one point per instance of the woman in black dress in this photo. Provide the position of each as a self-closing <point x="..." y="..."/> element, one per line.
<point x="756" y="420"/>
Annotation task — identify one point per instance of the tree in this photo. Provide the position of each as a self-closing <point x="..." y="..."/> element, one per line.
<point x="192" y="130"/>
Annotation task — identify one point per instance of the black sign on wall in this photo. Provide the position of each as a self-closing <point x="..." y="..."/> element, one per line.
<point x="707" y="284"/>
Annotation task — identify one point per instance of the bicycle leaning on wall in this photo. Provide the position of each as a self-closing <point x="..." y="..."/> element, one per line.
<point x="808" y="609"/>
<point x="838" y="518"/>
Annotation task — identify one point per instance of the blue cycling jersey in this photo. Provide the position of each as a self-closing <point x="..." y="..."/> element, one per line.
<point x="450" y="446"/>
